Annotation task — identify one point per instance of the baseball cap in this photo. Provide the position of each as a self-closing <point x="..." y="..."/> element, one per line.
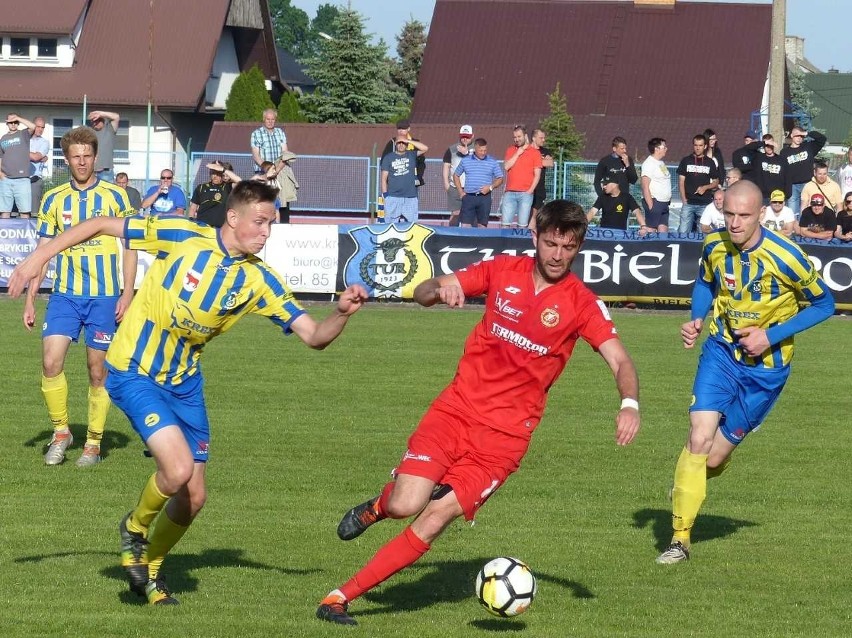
<point x="752" y="134"/>
<point x="777" y="196"/>
<point x="403" y="124"/>
<point x="466" y="131"/>
<point x="817" y="199"/>
<point x="607" y="179"/>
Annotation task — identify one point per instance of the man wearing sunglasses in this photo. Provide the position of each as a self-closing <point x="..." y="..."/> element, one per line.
<point x="15" y="188"/>
<point x="165" y="198"/>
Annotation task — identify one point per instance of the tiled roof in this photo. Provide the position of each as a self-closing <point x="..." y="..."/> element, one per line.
<point x="46" y="17"/>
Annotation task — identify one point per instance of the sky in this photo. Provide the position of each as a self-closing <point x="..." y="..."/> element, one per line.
<point x="824" y="24"/>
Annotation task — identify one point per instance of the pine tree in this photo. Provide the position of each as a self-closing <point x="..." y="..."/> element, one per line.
<point x="351" y="75"/>
<point x="410" y="44"/>
<point x="563" y="138"/>
<point x="289" y="109"/>
<point x="291" y="27"/>
<point x="248" y="97"/>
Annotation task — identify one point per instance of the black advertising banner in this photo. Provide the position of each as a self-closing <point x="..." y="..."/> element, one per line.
<point x="390" y="260"/>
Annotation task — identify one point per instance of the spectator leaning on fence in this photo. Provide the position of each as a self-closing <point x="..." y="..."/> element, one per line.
<point x="817" y="221"/>
<point x="615" y="206"/>
<point x="15" y="187"/>
<point x="165" y="198"/>
<point x="267" y="142"/>
<point x="482" y="175"/>
<point x="777" y="216"/>
<point x="821" y="183"/>
<point x="844" y="220"/>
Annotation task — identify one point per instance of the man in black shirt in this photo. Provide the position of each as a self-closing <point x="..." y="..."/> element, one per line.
<point x="799" y="157"/>
<point x="615" y="206"/>
<point x="617" y="164"/>
<point x="697" y="178"/>
<point x="209" y="201"/>
<point x="540" y="192"/>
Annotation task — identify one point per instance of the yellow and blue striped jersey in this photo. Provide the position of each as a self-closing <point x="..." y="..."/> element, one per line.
<point x="90" y="269"/>
<point x="193" y="291"/>
<point x="759" y="287"/>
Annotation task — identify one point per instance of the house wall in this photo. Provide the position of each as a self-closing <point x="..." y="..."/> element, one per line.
<point x="225" y="70"/>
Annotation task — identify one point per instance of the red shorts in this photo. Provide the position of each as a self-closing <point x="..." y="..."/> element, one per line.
<point x="472" y="458"/>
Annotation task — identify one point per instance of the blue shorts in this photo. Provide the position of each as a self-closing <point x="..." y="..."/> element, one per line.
<point x="151" y="407"/>
<point x="743" y="395"/>
<point x="67" y="316"/>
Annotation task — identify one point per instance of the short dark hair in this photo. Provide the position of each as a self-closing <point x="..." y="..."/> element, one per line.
<point x="701" y="137"/>
<point x="562" y="216"/>
<point x="480" y="141"/>
<point x="251" y="191"/>
<point x="79" y="135"/>
<point x="653" y="143"/>
<point x="122" y="174"/>
<point x="820" y="163"/>
<point x="618" y="140"/>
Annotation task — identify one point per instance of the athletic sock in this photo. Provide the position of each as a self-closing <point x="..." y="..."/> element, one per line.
<point x="400" y="552"/>
<point x="55" y="391"/>
<point x="151" y="501"/>
<point x="380" y="508"/>
<point x="690" y="488"/>
<point x="163" y="537"/>
<point x="98" y="409"/>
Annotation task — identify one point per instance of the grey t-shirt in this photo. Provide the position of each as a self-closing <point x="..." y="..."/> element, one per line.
<point x="106" y="146"/>
<point x="15" y="154"/>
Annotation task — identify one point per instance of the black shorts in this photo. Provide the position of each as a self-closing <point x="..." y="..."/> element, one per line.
<point x="475" y="209"/>
<point x="658" y="215"/>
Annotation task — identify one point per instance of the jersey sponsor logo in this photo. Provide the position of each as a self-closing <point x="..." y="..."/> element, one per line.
<point x="730" y="282"/>
<point x="741" y="314"/>
<point x="152" y="419"/>
<point x="182" y="318"/>
<point x="102" y="337"/>
<point x="512" y="290"/>
<point x="549" y="318"/>
<point x="518" y="340"/>
<point x="202" y="448"/>
<point x="191" y="280"/>
<point x="411" y="456"/>
<point x="505" y="309"/>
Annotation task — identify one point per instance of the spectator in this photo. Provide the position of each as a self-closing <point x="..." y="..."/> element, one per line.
<point x="744" y="157"/>
<point x="209" y="201"/>
<point x="712" y="218"/>
<point x="104" y="167"/>
<point x="817" y="221"/>
<point x="617" y="163"/>
<point x="15" y="187"/>
<point x="732" y="176"/>
<point x="844" y="174"/>
<point x="697" y="178"/>
<point x="821" y="183"/>
<point x="452" y="157"/>
<point x="615" y="206"/>
<point x="771" y="173"/>
<point x="656" y="187"/>
<point x="482" y="175"/>
<point x="39" y="156"/>
<point x="403" y="129"/>
<point x="165" y="198"/>
<point x="844" y="220"/>
<point x="399" y="181"/>
<point x="288" y="187"/>
<point x="777" y="216"/>
<point x="540" y="194"/>
<point x="799" y="157"/>
<point x="122" y="180"/>
<point x="522" y="163"/>
<point x="713" y="150"/>
<point x="267" y="142"/>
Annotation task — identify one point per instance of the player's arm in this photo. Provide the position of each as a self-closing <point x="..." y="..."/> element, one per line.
<point x="32" y="290"/>
<point x="444" y="288"/>
<point x="27" y="270"/>
<point x="627" y="382"/>
<point x="702" y="299"/>
<point x="129" y="263"/>
<point x="318" y="335"/>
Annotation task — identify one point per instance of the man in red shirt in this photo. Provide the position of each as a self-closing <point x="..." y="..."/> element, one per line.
<point x="476" y="432"/>
<point x="522" y="164"/>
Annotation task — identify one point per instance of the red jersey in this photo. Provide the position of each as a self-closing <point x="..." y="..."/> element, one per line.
<point x="519" y="349"/>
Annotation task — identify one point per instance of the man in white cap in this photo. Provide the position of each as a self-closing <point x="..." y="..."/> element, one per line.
<point x="452" y="157"/>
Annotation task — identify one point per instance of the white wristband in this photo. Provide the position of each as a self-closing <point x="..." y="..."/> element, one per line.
<point x="630" y="403"/>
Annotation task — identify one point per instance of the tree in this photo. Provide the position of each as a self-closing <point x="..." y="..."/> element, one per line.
<point x="351" y="76"/>
<point x="291" y="27"/>
<point x="409" y="48"/>
<point x="800" y="94"/>
<point x="562" y="136"/>
<point x="248" y="97"/>
<point x="323" y="21"/>
<point x="289" y="109"/>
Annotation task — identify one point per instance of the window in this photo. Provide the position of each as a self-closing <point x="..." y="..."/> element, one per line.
<point x="61" y="126"/>
<point x="122" y="143"/>
<point x="20" y="47"/>
<point x="47" y="47"/>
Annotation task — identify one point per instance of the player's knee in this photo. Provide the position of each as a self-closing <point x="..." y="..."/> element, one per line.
<point x="174" y="476"/>
<point x="402" y="506"/>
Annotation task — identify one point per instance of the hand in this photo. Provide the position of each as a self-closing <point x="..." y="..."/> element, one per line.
<point x="29" y="314"/>
<point x="689" y="332"/>
<point x="625" y="159"/>
<point x="486" y="189"/>
<point x="23" y="274"/>
<point x="626" y="425"/>
<point x="352" y="299"/>
<point x="123" y="304"/>
<point x="643" y="230"/>
<point x="547" y="162"/>
<point x="453" y="296"/>
<point x="752" y="340"/>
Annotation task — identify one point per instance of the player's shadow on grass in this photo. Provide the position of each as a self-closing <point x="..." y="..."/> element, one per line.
<point x="447" y="582"/>
<point x="112" y="440"/>
<point x="707" y="526"/>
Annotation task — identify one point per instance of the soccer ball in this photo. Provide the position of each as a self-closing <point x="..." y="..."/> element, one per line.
<point x="505" y="586"/>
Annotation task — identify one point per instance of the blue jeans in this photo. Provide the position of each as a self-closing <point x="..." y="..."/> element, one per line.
<point x="515" y="204"/>
<point x="689" y="214"/>
<point x="795" y="201"/>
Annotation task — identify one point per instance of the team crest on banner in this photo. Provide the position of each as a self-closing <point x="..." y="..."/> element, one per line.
<point x="389" y="261"/>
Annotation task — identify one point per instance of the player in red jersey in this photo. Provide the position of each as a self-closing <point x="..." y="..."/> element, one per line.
<point x="476" y="432"/>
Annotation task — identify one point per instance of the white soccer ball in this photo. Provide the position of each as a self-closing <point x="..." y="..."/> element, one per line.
<point x="505" y="586"/>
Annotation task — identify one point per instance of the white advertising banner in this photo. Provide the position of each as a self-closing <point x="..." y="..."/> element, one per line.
<point x="305" y="255"/>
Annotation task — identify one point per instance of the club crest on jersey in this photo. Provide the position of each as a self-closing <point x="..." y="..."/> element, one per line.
<point x="549" y="317"/>
<point x="191" y="280"/>
<point x="67" y="217"/>
<point x="730" y="282"/>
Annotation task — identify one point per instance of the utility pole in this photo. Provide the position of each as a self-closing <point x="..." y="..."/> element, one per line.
<point x="777" y="69"/>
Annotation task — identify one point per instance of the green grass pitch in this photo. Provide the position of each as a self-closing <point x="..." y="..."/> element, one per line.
<point x="300" y="436"/>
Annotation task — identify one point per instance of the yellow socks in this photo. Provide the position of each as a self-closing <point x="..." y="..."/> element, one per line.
<point x="165" y="535"/>
<point x="98" y="409"/>
<point x="151" y="501"/>
<point x="55" y="391"/>
<point x="690" y="488"/>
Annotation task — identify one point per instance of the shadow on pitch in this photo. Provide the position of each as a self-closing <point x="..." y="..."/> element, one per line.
<point x="707" y="526"/>
<point x="112" y="440"/>
<point x="450" y="582"/>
